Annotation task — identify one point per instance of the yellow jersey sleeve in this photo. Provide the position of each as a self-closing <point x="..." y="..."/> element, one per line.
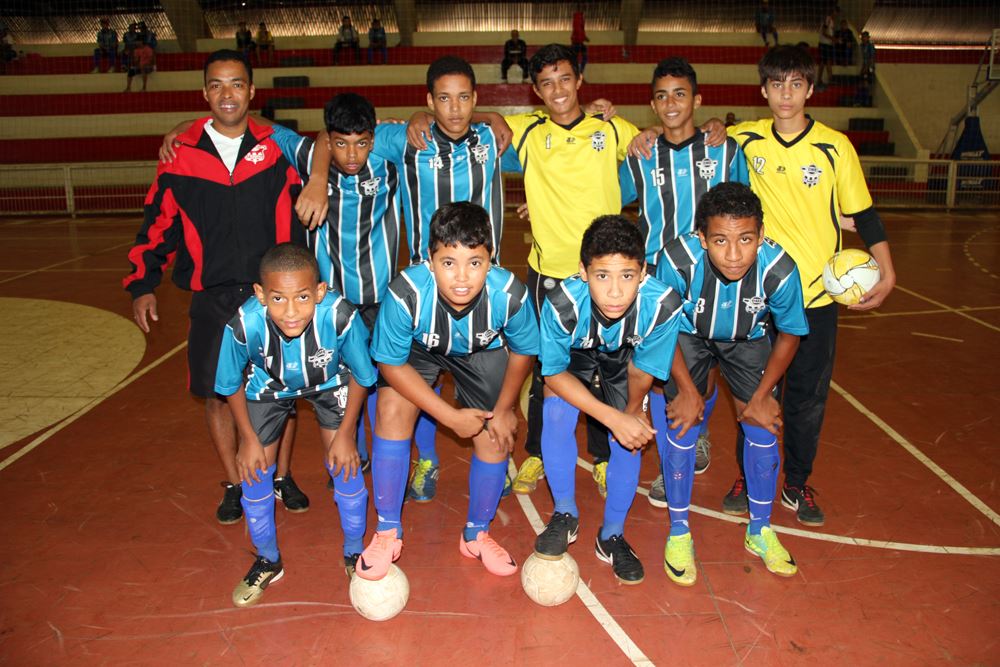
<point x="626" y="133"/>
<point x="852" y="189"/>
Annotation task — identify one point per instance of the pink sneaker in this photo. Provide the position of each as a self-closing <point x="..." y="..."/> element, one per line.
<point x="494" y="557"/>
<point x="380" y="553"/>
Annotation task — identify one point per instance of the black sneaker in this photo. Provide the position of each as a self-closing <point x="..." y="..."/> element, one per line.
<point x="350" y="562"/>
<point x="735" y="502"/>
<point x="617" y="552"/>
<point x="290" y="494"/>
<point x="561" y="532"/>
<point x="262" y="574"/>
<point x="230" y="510"/>
<point x="800" y="499"/>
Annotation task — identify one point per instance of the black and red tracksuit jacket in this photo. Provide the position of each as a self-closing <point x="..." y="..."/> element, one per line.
<point x="215" y="226"/>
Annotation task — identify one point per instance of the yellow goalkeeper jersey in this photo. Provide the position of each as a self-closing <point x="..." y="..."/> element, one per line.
<point x="570" y="178"/>
<point x="804" y="185"/>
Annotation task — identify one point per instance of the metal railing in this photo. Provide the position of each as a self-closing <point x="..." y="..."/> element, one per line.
<point x="101" y="187"/>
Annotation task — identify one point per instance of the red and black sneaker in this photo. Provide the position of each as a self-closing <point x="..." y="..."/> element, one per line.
<point x="802" y="500"/>
<point x="735" y="502"/>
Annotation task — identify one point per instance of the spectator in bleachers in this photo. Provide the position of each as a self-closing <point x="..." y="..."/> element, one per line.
<point x="377" y="42"/>
<point x="265" y="43"/>
<point x="515" y="52"/>
<point x="245" y="43"/>
<point x="764" y="22"/>
<point x="143" y="62"/>
<point x="867" y="55"/>
<point x="130" y="40"/>
<point x="7" y="51"/>
<point x="107" y="47"/>
<point x="147" y="36"/>
<point x="731" y="119"/>
<point x="826" y="48"/>
<point x="578" y="40"/>
<point x="845" y="44"/>
<point x="347" y="36"/>
<point x="863" y="92"/>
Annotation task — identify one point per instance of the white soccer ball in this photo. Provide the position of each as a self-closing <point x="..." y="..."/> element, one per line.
<point x="550" y="582"/>
<point x="849" y="274"/>
<point x="380" y="600"/>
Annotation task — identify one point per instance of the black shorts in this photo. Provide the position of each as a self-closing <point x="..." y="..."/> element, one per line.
<point x="210" y="312"/>
<point x="268" y="417"/>
<point x="369" y="313"/>
<point x="825" y="53"/>
<point x="742" y="363"/>
<point x="478" y="377"/>
<point x="611" y="370"/>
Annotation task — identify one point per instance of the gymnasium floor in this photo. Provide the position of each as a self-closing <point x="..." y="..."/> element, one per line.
<point x="112" y="553"/>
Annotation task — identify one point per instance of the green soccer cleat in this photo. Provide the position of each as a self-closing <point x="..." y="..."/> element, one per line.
<point x="678" y="560"/>
<point x="769" y="549"/>
<point x="528" y="475"/>
<point x="601" y="478"/>
<point x="423" y="485"/>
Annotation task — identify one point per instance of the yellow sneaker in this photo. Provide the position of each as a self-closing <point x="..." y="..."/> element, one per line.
<point x="769" y="549"/>
<point x="678" y="560"/>
<point x="527" y="478"/>
<point x="601" y="477"/>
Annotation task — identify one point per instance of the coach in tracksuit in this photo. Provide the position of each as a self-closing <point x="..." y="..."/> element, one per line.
<point x="214" y="211"/>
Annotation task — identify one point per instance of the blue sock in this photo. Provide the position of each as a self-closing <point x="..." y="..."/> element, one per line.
<point x="709" y="407"/>
<point x="658" y="415"/>
<point x="623" y="477"/>
<point x="760" y="462"/>
<point x="369" y="410"/>
<point x="351" y="498"/>
<point x="390" y="465"/>
<point x="425" y="434"/>
<point x="677" y="461"/>
<point x="485" y="486"/>
<point x="258" y="506"/>
<point x="559" y="452"/>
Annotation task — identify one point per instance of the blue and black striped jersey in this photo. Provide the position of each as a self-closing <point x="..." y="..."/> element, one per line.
<point x="358" y="245"/>
<point x="499" y="316"/>
<point x="719" y="309"/>
<point x="650" y="326"/>
<point x="323" y="357"/>
<point x="670" y="183"/>
<point x="446" y="171"/>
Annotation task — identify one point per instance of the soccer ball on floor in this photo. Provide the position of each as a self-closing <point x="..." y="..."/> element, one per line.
<point x="380" y="600"/>
<point x="849" y="275"/>
<point x="550" y="582"/>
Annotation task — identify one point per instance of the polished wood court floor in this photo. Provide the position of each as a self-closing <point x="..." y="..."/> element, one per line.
<point x="111" y="553"/>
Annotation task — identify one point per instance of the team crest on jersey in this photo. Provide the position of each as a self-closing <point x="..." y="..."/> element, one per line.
<point x="598" y="140"/>
<point x="436" y="162"/>
<point x="256" y="154"/>
<point x="754" y="304"/>
<point x="370" y="187"/>
<point x="682" y="172"/>
<point x="706" y="168"/>
<point x="810" y="175"/>
<point x="758" y="164"/>
<point x="484" y="338"/>
<point x="634" y="340"/>
<point x="292" y="366"/>
<point x="699" y="307"/>
<point x="321" y="358"/>
<point x="480" y="153"/>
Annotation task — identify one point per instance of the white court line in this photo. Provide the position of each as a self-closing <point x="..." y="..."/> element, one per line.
<point x="87" y="408"/>
<point x="948" y="308"/>
<point x="919" y="455"/>
<point x="73" y="259"/>
<point x="590" y="601"/>
<point x="838" y="539"/>
<point x="947" y="338"/>
<point x="851" y="326"/>
<point x="875" y="315"/>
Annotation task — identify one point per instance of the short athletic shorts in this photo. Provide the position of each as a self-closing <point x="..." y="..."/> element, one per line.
<point x="825" y="52"/>
<point x="268" y="417"/>
<point x="369" y="313"/>
<point x="742" y="363"/>
<point x="478" y="376"/>
<point x="610" y="368"/>
<point x="210" y="312"/>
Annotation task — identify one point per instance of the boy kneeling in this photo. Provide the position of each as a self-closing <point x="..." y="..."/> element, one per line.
<point x="294" y="335"/>
<point x="735" y="283"/>
<point x="614" y="322"/>
<point x="461" y="314"/>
